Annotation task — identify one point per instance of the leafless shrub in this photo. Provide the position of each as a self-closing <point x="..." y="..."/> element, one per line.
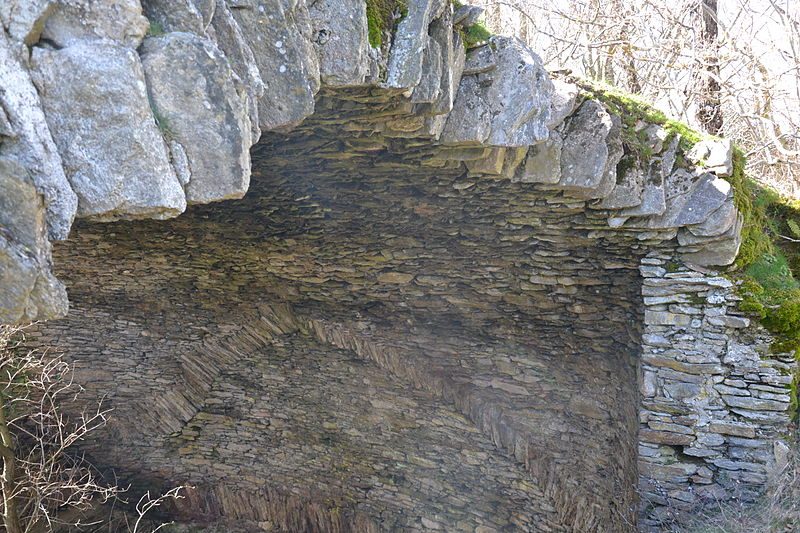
<point x="46" y="485"/>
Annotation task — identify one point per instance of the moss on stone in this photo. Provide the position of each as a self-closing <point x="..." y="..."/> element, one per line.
<point x="382" y="16"/>
<point x="767" y="267"/>
<point x="155" y="29"/>
<point x="475" y="35"/>
<point x="634" y="110"/>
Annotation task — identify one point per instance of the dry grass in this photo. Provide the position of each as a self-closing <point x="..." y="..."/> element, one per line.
<point x="776" y="511"/>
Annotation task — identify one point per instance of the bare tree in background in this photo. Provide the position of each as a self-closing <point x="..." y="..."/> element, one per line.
<point x="730" y="68"/>
<point x="709" y="103"/>
<point x="44" y="483"/>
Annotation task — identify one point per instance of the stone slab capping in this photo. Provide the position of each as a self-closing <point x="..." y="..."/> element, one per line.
<point x="129" y="110"/>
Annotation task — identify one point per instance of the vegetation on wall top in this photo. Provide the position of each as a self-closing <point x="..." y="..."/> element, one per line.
<point x="767" y="268"/>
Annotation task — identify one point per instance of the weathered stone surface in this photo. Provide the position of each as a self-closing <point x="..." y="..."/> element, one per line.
<point x="174" y="15"/>
<point x="410" y="40"/>
<point x="707" y="195"/>
<point x="721" y="250"/>
<point x="543" y="164"/>
<point x="28" y="289"/>
<point x="24" y="19"/>
<point x="714" y="155"/>
<point x="427" y="91"/>
<point x="341" y="42"/>
<point x="231" y="41"/>
<point x="453" y="57"/>
<point x="96" y="105"/>
<point x="585" y="153"/>
<point x="756" y="404"/>
<point x="511" y="107"/>
<point x="733" y="428"/>
<point x="279" y="34"/>
<point x="718" y="222"/>
<point x="73" y="21"/>
<point x="627" y="191"/>
<point x="470" y="120"/>
<point x="27" y="140"/>
<point x="190" y="86"/>
<point x="653" y="197"/>
<point x="480" y="60"/>
<point x="563" y="102"/>
<point x="466" y="15"/>
<point x="665" y="437"/>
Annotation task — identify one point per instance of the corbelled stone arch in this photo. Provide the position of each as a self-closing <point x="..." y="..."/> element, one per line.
<point x="519" y="278"/>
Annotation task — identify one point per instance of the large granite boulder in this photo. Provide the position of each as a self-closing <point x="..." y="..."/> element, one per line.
<point x="508" y="105"/>
<point x="279" y="34"/>
<point x="94" y="98"/>
<point x="24" y="20"/>
<point x="26" y="139"/>
<point x="28" y="289"/>
<point x="341" y="41"/>
<point x="72" y="21"/>
<point x="192" y="91"/>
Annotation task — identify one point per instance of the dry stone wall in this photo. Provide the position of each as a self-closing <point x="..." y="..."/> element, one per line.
<point x="481" y="239"/>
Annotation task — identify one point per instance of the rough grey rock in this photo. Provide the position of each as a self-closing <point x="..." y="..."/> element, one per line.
<point x="720" y="251"/>
<point x="714" y="155"/>
<point x="514" y="99"/>
<point x="519" y="96"/>
<point x="563" y="102"/>
<point x="543" y="164"/>
<point x="708" y="195"/>
<point x="28" y="289"/>
<point x="280" y="37"/>
<point x="453" y="57"/>
<point x="94" y="98"/>
<point x="339" y="29"/>
<point x="28" y="141"/>
<point x="76" y="20"/>
<point x="174" y="15"/>
<point x="718" y="222"/>
<point x="411" y="39"/>
<point x="191" y="88"/>
<point x="479" y="60"/>
<point x="653" y="196"/>
<point x="428" y="89"/>
<point x="467" y="15"/>
<point x="627" y="191"/>
<point x="24" y="19"/>
<point x="230" y="40"/>
<point x="584" y="155"/>
<point x="470" y="120"/>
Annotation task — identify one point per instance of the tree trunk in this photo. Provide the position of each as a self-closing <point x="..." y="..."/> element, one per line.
<point x="709" y="104"/>
<point x="7" y="479"/>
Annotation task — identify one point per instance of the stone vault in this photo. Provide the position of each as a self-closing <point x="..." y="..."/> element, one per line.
<point x="454" y="296"/>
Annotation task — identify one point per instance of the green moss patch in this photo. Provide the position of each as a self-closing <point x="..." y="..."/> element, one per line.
<point x="155" y="29"/>
<point x="634" y="110"/>
<point x="382" y="17"/>
<point x="475" y="35"/>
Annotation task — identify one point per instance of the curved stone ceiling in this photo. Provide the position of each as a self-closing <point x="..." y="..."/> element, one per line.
<point x="447" y="301"/>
